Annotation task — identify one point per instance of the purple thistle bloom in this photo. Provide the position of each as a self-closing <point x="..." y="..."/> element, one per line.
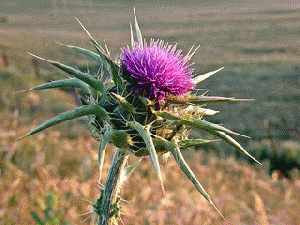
<point x="157" y="70"/>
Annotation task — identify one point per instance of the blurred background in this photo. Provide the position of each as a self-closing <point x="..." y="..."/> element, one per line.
<point x="54" y="175"/>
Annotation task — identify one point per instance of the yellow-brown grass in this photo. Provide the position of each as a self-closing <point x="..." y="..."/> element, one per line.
<point x="34" y="167"/>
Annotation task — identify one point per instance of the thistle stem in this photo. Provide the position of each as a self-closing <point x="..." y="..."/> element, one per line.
<point x="112" y="188"/>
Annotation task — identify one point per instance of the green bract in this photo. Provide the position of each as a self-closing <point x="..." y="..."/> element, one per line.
<point x="132" y="122"/>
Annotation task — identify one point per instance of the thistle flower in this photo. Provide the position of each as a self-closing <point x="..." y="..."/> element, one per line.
<point x="157" y="70"/>
<point x="121" y="111"/>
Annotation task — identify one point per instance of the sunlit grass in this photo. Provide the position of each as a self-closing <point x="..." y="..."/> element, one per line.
<point x="51" y="162"/>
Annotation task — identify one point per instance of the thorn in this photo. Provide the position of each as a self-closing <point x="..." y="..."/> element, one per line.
<point x="85" y="212"/>
<point x="200" y="89"/>
<point x="256" y="160"/>
<point x="60" y="43"/>
<point x="116" y="96"/>
<point x="245" y="136"/>
<point x="162" y="187"/>
<point x="17" y="92"/>
<point x="38" y="57"/>
<point x="94" y="43"/>
<point x="190" y="56"/>
<point x="148" y="126"/>
<point x="205" y="92"/>
<point x="132" y="38"/>
<point x="216" y="209"/>
<point x="88" y="217"/>
<point x="123" y="200"/>
<point x="187" y="55"/>
<point x="92" y="40"/>
<point x="101" y="70"/>
<point x="88" y="33"/>
<point x="100" y="185"/>
<point x="106" y="48"/>
<point x="24" y="136"/>
<point x="124" y="92"/>
<point x="137" y="142"/>
<point x="85" y="201"/>
<point x="133" y="145"/>
<point x="122" y="220"/>
<point x="246" y="99"/>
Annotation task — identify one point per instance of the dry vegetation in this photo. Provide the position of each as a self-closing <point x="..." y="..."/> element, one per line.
<point x="48" y="163"/>
<point x="63" y="160"/>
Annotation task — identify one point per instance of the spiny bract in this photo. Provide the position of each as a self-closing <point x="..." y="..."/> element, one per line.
<point x="146" y="106"/>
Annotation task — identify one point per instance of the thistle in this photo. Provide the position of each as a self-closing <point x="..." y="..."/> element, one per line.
<point x="145" y="108"/>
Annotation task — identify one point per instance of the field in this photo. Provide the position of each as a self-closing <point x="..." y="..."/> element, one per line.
<point x="257" y="43"/>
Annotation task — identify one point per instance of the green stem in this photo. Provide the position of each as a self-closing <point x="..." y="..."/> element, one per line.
<point x="112" y="188"/>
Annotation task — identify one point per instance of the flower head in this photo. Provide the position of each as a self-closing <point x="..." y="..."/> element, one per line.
<point x="157" y="70"/>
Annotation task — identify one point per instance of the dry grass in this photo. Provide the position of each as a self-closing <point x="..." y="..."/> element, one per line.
<point x="34" y="167"/>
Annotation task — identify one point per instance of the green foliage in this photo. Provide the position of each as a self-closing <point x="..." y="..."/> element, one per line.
<point x="51" y="216"/>
<point x="283" y="156"/>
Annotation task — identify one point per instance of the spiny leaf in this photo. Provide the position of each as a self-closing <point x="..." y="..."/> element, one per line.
<point x="104" y="139"/>
<point x="114" y="68"/>
<point x="65" y="83"/>
<point x="194" y="143"/>
<point x="69" y="115"/>
<point x="144" y="100"/>
<point x="158" y="144"/>
<point x="137" y="29"/>
<point x="233" y="142"/>
<point x="124" y="103"/>
<point x="207" y="99"/>
<point x="115" y="74"/>
<point x="186" y="169"/>
<point x="193" y="109"/>
<point x="131" y="35"/>
<point x="167" y="115"/>
<point x="93" y="82"/>
<point x="200" y="78"/>
<point x="145" y="133"/>
<point x="128" y="170"/>
<point x="205" y="125"/>
<point x="93" y="41"/>
<point x="201" y="100"/>
<point x="98" y="58"/>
